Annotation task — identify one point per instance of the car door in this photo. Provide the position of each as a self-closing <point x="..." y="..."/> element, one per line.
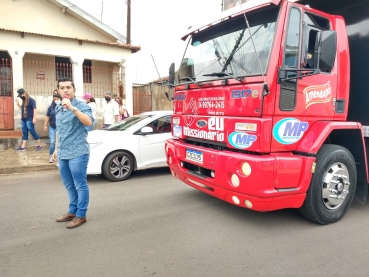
<point x="151" y="146"/>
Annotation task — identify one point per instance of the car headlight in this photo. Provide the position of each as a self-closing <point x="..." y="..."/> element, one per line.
<point x="94" y="144"/>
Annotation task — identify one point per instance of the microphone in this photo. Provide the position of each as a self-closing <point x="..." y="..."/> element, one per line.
<point x="65" y="106"/>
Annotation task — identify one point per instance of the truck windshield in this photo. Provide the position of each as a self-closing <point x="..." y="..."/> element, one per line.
<point x="226" y="50"/>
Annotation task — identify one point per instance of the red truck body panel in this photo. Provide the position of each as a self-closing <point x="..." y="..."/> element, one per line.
<point x="277" y="181"/>
<point x="223" y="126"/>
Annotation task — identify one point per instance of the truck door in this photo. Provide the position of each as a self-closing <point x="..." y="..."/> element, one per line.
<point x="301" y="101"/>
<point x="318" y="92"/>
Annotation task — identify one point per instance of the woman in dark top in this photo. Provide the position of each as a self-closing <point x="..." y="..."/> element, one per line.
<point x="50" y="121"/>
<point x="29" y="114"/>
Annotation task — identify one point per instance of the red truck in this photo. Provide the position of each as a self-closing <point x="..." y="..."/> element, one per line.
<point x="270" y="107"/>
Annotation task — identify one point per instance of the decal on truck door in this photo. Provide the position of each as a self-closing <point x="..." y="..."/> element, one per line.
<point x="318" y="94"/>
<point x="289" y="130"/>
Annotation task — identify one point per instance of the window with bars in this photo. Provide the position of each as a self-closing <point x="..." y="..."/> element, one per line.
<point x="87" y="71"/>
<point x="63" y="68"/>
<point x="5" y="74"/>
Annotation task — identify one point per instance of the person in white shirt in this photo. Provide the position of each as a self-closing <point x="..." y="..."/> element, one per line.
<point x="92" y="103"/>
<point x="111" y="112"/>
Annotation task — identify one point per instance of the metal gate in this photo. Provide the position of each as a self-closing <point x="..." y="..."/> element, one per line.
<point x="6" y="93"/>
<point x="142" y="99"/>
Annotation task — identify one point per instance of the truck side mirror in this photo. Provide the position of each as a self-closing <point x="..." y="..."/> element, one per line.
<point x="327" y="48"/>
<point x="171" y="74"/>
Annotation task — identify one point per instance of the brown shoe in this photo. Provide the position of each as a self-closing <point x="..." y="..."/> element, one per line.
<point x="76" y="222"/>
<point x="66" y="217"/>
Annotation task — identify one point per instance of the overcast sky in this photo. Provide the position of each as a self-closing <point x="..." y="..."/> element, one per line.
<point x="156" y="25"/>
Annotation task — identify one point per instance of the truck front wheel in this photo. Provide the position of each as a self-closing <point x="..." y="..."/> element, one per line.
<point x="332" y="187"/>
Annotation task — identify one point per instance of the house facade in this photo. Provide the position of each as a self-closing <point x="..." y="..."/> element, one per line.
<point x="42" y="41"/>
<point x="228" y="4"/>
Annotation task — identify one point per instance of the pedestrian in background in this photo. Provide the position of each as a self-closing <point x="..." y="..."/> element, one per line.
<point x="73" y="151"/>
<point x="28" y="118"/>
<point x="111" y="112"/>
<point x="50" y="124"/>
<point x="92" y="103"/>
<point x="123" y="113"/>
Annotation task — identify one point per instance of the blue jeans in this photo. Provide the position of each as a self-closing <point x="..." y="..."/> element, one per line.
<point x="74" y="176"/>
<point x="52" y="137"/>
<point x="29" y="126"/>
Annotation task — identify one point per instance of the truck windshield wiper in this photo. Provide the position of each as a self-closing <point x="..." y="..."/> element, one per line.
<point x="219" y="74"/>
<point x="223" y="74"/>
<point x="228" y="61"/>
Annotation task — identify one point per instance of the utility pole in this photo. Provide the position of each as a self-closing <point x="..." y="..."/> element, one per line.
<point x="128" y="21"/>
<point x="102" y="9"/>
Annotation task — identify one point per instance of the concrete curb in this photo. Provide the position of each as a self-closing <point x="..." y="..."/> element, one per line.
<point x="28" y="168"/>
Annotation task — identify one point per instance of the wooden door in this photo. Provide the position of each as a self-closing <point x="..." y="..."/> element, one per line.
<point x="6" y="93"/>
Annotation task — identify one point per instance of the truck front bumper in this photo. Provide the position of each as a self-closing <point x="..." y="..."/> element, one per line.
<point x="257" y="182"/>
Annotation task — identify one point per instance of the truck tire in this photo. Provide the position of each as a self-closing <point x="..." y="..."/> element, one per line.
<point x="118" y="166"/>
<point x="332" y="186"/>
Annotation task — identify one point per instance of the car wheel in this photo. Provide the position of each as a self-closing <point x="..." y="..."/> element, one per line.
<point x="118" y="166"/>
<point x="332" y="186"/>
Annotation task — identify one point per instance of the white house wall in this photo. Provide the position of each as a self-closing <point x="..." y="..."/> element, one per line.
<point x="43" y="17"/>
<point x="18" y="47"/>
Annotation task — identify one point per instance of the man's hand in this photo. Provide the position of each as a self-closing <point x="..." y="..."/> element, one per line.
<point x="55" y="156"/>
<point x="45" y="129"/>
<point x="34" y="121"/>
<point x="66" y="103"/>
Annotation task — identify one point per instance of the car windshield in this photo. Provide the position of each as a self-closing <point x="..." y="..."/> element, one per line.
<point x="226" y="48"/>
<point x="127" y="123"/>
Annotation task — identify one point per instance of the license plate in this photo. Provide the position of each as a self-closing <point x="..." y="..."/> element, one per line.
<point x="193" y="155"/>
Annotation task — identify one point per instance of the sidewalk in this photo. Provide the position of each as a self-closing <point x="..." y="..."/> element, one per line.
<point x="28" y="161"/>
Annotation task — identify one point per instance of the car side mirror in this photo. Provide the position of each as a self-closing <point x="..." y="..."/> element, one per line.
<point x="327" y="48"/>
<point x="147" y="131"/>
<point x="171" y="74"/>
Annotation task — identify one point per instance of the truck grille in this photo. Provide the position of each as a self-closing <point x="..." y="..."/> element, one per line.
<point x="208" y="144"/>
<point x="216" y="146"/>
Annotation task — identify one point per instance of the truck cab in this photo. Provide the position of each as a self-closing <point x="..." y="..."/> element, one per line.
<point x="261" y="111"/>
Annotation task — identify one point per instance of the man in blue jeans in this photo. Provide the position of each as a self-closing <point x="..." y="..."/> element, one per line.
<point x="73" y="151"/>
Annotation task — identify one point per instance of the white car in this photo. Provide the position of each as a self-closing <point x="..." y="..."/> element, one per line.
<point x="133" y="144"/>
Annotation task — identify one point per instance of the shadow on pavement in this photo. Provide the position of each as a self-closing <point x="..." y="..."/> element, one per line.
<point x="136" y="175"/>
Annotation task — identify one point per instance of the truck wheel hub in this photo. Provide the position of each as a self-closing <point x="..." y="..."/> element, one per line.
<point x="335" y="186"/>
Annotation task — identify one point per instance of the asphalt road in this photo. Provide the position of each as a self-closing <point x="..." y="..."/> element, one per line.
<point x="153" y="225"/>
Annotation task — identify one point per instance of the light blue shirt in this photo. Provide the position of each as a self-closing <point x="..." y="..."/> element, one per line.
<point x="72" y="134"/>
